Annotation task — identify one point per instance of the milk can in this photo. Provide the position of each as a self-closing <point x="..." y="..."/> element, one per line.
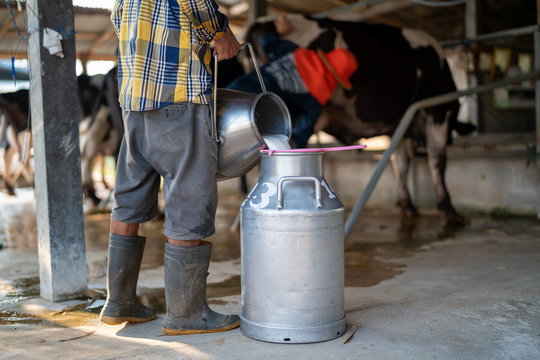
<point x="292" y="246"/>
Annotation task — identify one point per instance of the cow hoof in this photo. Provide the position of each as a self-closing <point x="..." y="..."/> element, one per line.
<point x="409" y="213"/>
<point x="456" y="219"/>
<point x="10" y="190"/>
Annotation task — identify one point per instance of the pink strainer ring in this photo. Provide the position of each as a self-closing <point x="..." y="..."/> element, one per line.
<point x="264" y="149"/>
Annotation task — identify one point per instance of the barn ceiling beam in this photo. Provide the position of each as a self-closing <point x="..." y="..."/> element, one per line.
<point x="18" y="55"/>
<point x="433" y="21"/>
<point x="238" y="9"/>
<point x="282" y="8"/>
<point x="97" y="44"/>
<point x="88" y="36"/>
<point x="367" y="9"/>
<point x="8" y="25"/>
<point x="338" y="2"/>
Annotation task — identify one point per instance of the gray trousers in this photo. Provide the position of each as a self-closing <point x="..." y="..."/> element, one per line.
<point x="176" y="143"/>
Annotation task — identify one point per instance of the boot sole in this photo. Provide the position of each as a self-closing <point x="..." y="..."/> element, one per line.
<point x="110" y="320"/>
<point x="188" y="331"/>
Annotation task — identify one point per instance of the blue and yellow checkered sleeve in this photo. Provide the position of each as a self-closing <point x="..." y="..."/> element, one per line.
<point x="208" y="23"/>
<point x="116" y="16"/>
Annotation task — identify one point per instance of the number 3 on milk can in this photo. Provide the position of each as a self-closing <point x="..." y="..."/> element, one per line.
<point x="265" y="196"/>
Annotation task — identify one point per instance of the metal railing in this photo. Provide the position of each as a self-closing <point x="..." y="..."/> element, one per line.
<point x="404" y="125"/>
<point x="526" y="30"/>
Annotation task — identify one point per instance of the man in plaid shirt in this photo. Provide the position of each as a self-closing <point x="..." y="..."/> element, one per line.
<point x="165" y="87"/>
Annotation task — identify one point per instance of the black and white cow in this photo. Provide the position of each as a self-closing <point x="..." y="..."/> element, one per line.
<point x="100" y="127"/>
<point x="14" y="133"/>
<point x="396" y="67"/>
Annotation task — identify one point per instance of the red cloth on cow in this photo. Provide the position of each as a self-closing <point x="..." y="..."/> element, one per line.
<point x="318" y="79"/>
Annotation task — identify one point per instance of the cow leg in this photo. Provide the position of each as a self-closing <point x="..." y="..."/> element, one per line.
<point x="91" y="140"/>
<point x="4" y="146"/>
<point x="86" y="164"/>
<point x="23" y="168"/>
<point x="99" y="161"/>
<point x="9" y="157"/>
<point x="322" y="122"/>
<point x="27" y="171"/>
<point x="436" y="140"/>
<point x="400" y="162"/>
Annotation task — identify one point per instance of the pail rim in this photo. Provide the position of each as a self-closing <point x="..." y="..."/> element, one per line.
<point x="283" y="107"/>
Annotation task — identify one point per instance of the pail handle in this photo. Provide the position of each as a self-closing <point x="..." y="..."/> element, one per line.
<point x="298" y="178"/>
<point x="255" y="64"/>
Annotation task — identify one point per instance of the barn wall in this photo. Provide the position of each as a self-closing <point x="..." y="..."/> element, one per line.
<point x="494" y="176"/>
<point x="483" y="175"/>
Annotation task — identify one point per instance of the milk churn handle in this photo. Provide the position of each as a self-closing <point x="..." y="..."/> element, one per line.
<point x="255" y="64"/>
<point x="298" y="178"/>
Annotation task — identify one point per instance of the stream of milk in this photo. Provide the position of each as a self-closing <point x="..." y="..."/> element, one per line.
<point x="276" y="142"/>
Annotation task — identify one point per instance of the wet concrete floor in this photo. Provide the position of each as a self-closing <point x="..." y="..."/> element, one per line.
<point x="379" y="235"/>
<point x="376" y="252"/>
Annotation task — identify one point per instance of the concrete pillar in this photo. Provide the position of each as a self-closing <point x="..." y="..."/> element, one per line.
<point x="54" y="111"/>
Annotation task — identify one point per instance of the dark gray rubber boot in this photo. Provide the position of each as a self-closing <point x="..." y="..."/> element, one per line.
<point x="125" y="256"/>
<point x="186" y="269"/>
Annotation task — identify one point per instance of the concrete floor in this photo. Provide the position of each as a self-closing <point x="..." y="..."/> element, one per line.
<point x="417" y="290"/>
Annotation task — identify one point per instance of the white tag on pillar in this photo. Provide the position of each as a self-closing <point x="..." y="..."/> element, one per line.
<point x="52" y="42"/>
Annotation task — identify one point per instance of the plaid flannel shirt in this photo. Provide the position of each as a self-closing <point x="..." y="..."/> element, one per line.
<point x="164" y="54"/>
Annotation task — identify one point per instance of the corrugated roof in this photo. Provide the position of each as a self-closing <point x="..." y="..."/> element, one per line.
<point x="96" y="39"/>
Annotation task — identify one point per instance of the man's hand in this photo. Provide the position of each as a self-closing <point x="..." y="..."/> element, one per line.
<point x="226" y="46"/>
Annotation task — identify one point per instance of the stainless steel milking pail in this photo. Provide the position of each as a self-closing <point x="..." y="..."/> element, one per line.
<point x="242" y="120"/>
<point x="292" y="246"/>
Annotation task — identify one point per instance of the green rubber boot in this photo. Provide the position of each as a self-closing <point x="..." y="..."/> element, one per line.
<point x="125" y="256"/>
<point x="186" y="269"/>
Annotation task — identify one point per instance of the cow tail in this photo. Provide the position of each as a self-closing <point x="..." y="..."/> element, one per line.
<point x="97" y="104"/>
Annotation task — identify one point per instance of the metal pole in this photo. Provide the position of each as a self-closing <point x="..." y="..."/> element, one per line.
<point x="537" y="106"/>
<point x="471" y="31"/>
<point x="402" y="128"/>
<point x="257" y="8"/>
<point x="492" y="36"/>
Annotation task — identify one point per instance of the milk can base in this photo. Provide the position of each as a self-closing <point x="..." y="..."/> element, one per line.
<point x="291" y="335"/>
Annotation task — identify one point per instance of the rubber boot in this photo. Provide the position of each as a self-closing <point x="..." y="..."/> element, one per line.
<point x="125" y="256"/>
<point x="186" y="269"/>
